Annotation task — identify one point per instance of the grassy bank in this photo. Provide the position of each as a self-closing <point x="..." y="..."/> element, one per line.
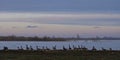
<point x="59" y="55"/>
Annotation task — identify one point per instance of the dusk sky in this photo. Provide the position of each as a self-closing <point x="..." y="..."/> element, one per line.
<point x="61" y="18"/>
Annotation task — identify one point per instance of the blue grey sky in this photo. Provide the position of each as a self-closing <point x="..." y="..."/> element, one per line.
<point x="60" y="5"/>
<point x="63" y="9"/>
<point x="60" y="17"/>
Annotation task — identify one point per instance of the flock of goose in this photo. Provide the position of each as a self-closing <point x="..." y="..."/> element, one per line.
<point x="45" y="48"/>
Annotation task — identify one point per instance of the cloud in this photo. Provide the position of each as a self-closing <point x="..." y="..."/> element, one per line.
<point x="57" y="15"/>
<point x="62" y="18"/>
<point x="31" y="26"/>
<point x="14" y="27"/>
<point x="96" y="27"/>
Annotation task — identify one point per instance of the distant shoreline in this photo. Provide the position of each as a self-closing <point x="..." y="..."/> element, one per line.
<point x="22" y="38"/>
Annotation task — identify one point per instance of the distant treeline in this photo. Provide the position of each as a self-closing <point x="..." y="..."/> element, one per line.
<point x="45" y="38"/>
<point x="22" y="38"/>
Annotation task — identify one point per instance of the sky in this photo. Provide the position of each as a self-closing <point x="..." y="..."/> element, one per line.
<point x="61" y="18"/>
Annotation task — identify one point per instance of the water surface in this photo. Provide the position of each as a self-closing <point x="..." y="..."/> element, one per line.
<point x="114" y="44"/>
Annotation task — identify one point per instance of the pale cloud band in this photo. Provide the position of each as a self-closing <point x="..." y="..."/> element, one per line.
<point x="58" y="15"/>
<point x="62" y="18"/>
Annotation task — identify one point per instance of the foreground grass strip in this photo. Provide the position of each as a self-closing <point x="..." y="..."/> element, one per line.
<point x="60" y="55"/>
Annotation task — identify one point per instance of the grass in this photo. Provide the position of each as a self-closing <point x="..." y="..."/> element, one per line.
<point x="59" y="55"/>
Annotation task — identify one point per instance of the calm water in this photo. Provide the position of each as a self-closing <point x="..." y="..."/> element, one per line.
<point x="114" y="44"/>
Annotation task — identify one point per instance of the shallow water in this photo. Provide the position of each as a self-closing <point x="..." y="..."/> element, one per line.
<point x="114" y="44"/>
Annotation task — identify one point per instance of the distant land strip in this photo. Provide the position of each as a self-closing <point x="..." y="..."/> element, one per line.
<point x="45" y="38"/>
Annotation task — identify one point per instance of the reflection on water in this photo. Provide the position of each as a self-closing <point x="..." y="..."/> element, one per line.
<point x="114" y="44"/>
